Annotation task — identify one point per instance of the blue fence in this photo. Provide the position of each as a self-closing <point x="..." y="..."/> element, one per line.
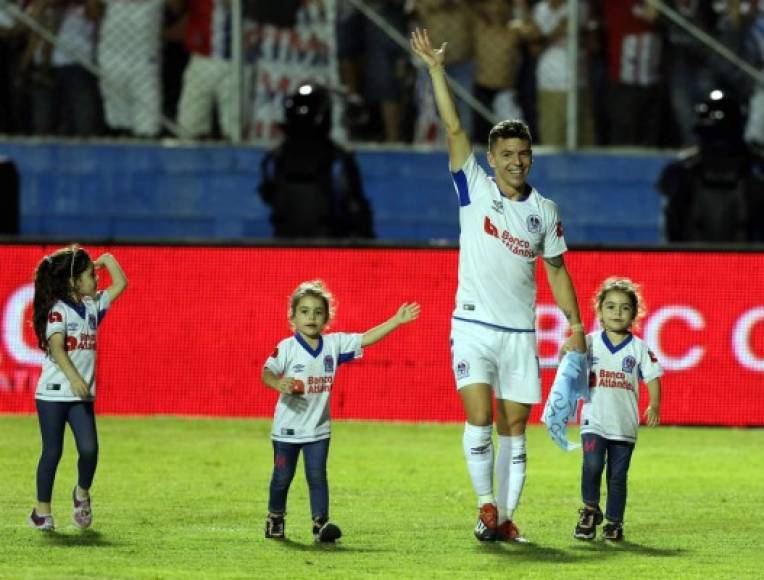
<point x="115" y="191"/>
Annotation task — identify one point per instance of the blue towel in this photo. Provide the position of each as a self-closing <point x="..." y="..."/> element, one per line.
<point x="570" y="385"/>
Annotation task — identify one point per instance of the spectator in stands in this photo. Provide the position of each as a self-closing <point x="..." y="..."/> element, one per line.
<point x="449" y="19"/>
<point x="11" y="39"/>
<point x="553" y="71"/>
<point x="715" y="192"/>
<point x="312" y="185"/>
<point x="387" y="68"/>
<point x="78" y="108"/>
<point x="174" y="57"/>
<point x="207" y="80"/>
<point x="689" y="77"/>
<point x="635" y="99"/>
<point x="129" y="52"/>
<point x="497" y="54"/>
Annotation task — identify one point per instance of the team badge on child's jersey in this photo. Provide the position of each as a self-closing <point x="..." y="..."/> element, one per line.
<point x="328" y="363"/>
<point x="462" y="369"/>
<point x="628" y="364"/>
<point x="534" y="224"/>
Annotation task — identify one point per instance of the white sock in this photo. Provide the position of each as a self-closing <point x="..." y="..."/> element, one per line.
<point x="517" y="465"/>
<point x="502" y="477"/>
<point x="478" y="451"/>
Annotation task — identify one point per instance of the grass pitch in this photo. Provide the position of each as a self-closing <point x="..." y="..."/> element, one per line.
<point x="186" y="498"/>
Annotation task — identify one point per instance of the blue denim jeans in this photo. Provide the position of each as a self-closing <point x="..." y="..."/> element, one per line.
<point x="314" y="456"/>
<point x="617" y="454"/>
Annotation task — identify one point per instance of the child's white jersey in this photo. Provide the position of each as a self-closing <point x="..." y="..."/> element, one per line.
<point x="305" y="418"/>
<point x="499" y="243"/>
<point x="79" y="324"/>
<point x="614" y="375"/>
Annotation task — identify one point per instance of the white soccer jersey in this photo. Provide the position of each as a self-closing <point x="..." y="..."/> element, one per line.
<point x="305" y="418"/>
<point x="614" y="375"/>
<point x="79" y="324"/>
<point x="499" y="242"/>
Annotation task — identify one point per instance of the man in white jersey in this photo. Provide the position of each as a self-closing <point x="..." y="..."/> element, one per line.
<point x="505" y="226"/>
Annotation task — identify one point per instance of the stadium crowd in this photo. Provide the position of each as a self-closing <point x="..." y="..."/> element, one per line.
<point x="168" y="57"/>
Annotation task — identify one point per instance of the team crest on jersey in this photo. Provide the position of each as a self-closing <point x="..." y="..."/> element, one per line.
<point x="534" y="224"/>
<point x="91" y="322"/>
<point x="498" y="207"/>
<point x="328" y="364"/>
<point x="628" y="364"/>
<point x="462" y="369"/>
<point x="298" y="368"/>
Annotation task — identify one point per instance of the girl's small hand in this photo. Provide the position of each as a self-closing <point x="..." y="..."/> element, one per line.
<point x="420" y="44"/>
<point x="100" y="261"/>
<point x="653" y="415"/>
<point x="407" y="313"/>
<point x="81" y="389"/>
<point x="290" y="386"/>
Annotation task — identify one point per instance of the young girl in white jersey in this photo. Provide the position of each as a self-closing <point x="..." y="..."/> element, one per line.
<point x="67" y="312"/>
<point x="302" y="369"/>
<point x="618" y="361"/>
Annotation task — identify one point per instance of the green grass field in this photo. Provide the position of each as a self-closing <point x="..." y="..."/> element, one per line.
<point x="186" y="498"/>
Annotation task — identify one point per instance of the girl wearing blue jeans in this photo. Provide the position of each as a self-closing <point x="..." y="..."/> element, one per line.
<point x="302" y="369"/>
<point x="618" y="361"/>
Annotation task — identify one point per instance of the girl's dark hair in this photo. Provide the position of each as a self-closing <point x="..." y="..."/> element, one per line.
<point x="53" y="282"/>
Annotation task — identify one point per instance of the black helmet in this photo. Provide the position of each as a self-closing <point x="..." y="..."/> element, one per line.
<point x="308" y="111"/>
<point x="719" y="116"/>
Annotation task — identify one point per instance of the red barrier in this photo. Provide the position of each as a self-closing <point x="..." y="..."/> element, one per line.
<point x="192" y="331"/>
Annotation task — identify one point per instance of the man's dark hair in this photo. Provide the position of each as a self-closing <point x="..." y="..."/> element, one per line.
<point x="510" y="129"/>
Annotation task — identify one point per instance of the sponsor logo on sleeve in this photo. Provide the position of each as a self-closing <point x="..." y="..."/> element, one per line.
<point x="55" y="317"/>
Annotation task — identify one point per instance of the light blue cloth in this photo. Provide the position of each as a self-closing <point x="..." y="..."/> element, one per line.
<point x="570" y="385"/>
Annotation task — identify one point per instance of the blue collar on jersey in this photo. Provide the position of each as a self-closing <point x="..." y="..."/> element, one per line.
<point x="78" y="308"/>
<point x="614" y="349"/>
<point x="306" y="346"/>
<point x="527" y="189"/>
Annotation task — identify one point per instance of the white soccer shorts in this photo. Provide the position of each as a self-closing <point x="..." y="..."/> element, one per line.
<point x="506" y="360"/>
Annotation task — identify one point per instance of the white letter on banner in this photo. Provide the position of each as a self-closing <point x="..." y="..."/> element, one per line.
<point x="13" y="328"/>
<point x="555" y="335"/>
<point x="741" y="343"/>
<point x="653" y="329"/>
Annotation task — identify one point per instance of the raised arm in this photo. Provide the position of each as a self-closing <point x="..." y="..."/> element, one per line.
<point x="565" y="296"/>
<point x="118" y="278"/>
<point x="459" y="147"/>
<point x="406" y="313"/>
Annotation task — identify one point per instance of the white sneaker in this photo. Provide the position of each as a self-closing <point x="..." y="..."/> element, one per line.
<point x="42" y="523"/>
<point x="82" y="514"/>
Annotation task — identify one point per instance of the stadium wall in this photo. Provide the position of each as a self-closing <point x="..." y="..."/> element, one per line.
<point x="190" y="335"/>
<point x="208" y="192"/>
